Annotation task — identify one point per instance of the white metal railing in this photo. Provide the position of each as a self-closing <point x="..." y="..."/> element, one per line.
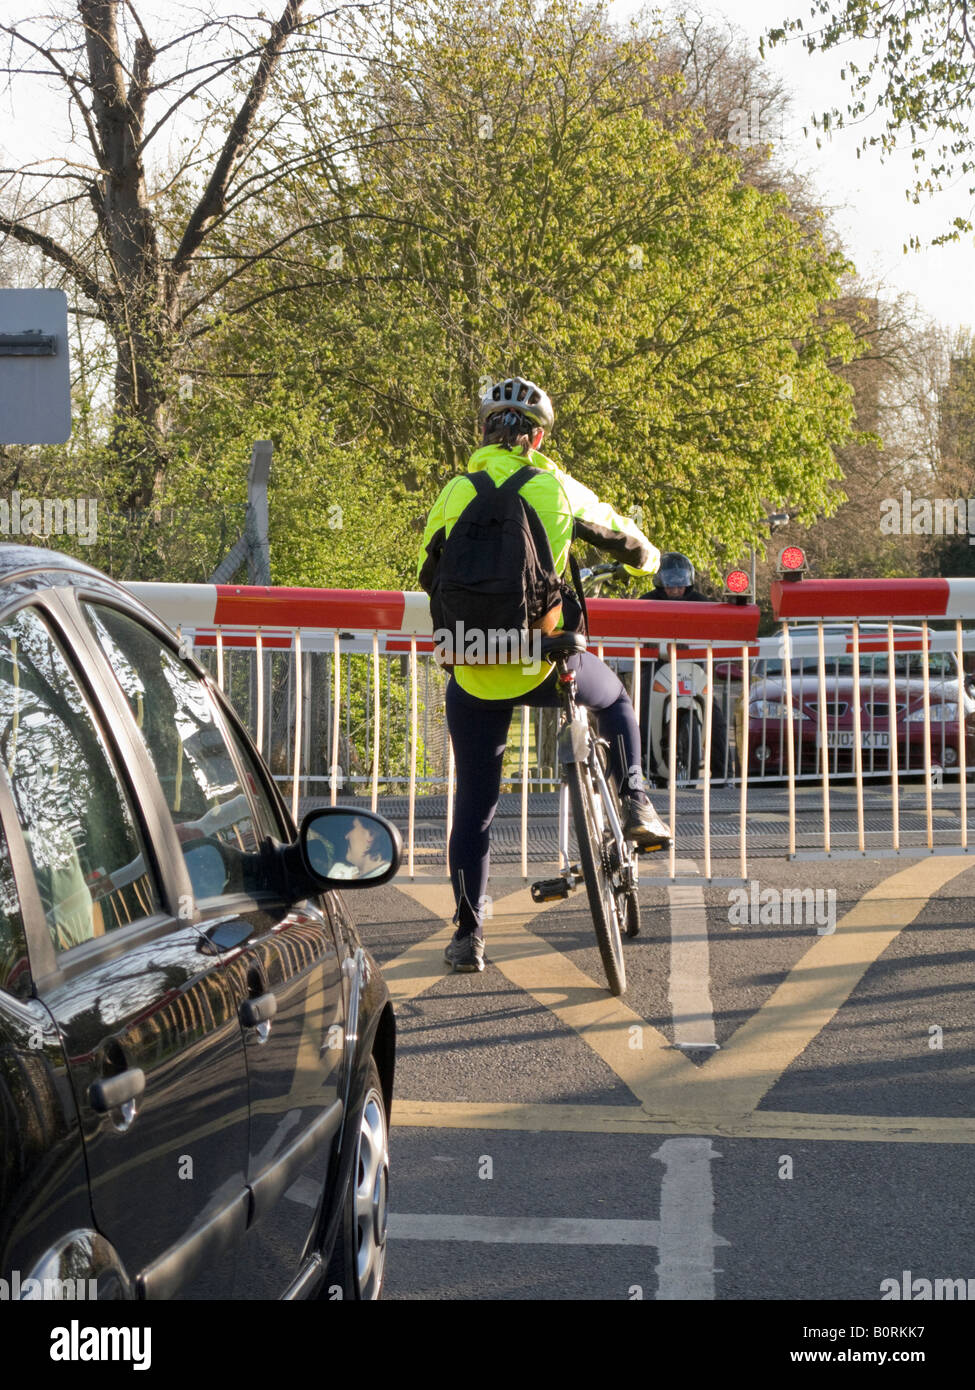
<point x="348" y="709"/>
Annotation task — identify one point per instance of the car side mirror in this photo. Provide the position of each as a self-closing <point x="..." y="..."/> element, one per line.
<point x="338" y="847"/>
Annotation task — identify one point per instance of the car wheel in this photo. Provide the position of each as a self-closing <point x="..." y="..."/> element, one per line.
<point x="358" y="1263"/>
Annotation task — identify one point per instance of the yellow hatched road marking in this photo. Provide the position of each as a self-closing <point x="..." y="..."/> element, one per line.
<point x="632" y="1119"/>
<point x="720" y="1097"/>
<point x="422" y="965"/>
<point x="532" y="965"/>
<point x="760" y="1051"/>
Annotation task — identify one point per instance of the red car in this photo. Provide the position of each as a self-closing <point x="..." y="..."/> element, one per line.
<point x="950" y="701"/>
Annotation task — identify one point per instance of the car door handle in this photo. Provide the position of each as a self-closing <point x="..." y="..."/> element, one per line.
<point x="112" y="1092"/>
<point x="259" y="1010"/>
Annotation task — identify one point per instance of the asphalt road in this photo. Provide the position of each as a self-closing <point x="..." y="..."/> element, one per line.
<point x="775" y="1110"/>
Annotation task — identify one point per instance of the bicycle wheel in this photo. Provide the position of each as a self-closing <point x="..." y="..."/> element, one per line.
<point x="594" y="855"/>
<point x="627" y="899"/>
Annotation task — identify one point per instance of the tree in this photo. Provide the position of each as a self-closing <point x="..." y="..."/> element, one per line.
<point x="952" y="553"/>
<point x="472" y="194"/>
<point x="146" y="229"/>
<point x="922" y="72"/>
<point x="535" y="203"/>
<point x="895" y="378"/>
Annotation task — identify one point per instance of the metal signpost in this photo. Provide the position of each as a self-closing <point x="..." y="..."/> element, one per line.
<point x="35" y="382"/>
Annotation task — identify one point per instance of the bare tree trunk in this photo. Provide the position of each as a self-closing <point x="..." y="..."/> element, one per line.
<point x="133" y="285"/>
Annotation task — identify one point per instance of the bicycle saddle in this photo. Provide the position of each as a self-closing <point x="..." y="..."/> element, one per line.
<point x="562" y="644"/>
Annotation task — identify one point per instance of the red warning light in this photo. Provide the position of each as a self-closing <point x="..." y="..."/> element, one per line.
<point x="792" y="558"/>
<point x="737" y="582"/>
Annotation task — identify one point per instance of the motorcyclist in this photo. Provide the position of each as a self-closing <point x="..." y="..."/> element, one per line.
<point x="675" y="581"/>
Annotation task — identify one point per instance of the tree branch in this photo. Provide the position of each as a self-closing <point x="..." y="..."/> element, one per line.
<point x="86" y="282"/>
<point x="211" y="203"/>
<point x="70" y="82"/>
<point x="249" y="260"/>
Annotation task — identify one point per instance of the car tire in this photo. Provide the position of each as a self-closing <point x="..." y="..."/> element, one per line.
<point x="357" y="1268"/>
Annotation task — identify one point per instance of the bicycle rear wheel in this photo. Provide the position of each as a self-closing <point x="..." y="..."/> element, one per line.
<point x="595" y="848"/>
<point x="627" y="898"/>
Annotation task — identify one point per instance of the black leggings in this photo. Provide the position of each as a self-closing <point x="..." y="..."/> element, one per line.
<point x="479" y="733"/>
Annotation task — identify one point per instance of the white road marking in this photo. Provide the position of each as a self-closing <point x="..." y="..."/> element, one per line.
<point x="687" y="1239"/>
<point x="690" y="964"/>
<point x="523" y="1230"/>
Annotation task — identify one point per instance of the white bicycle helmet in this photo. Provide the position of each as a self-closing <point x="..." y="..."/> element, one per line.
<point x="521" y="398"/>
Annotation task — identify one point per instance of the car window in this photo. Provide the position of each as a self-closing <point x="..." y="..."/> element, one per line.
<point x="184" y="739"/>
<point x="941" y="665"/>
<point x="14" y="970"/>
<point x="256" y="784"/>
<point x="85" y="846"/>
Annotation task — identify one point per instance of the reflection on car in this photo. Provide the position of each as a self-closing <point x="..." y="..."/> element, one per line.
<point x="366" y="851"/>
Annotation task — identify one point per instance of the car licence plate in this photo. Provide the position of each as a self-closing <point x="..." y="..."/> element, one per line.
<point x="843" y="738"/>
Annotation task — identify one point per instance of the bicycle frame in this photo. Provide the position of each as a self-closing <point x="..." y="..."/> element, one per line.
<point x="576" y="742"/>
<point x="607" y="862"/>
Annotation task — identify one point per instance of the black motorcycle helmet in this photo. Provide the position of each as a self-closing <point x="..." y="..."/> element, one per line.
<point x="675" y="571"/>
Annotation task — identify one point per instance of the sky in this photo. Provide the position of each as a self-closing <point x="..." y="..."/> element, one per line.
<point x="872" y="212"/>
<point x="870" y="209"/>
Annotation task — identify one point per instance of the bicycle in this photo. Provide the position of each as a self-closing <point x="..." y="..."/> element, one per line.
<point x="608" y="864"/>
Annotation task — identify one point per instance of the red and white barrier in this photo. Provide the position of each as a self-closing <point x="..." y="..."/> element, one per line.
<point x="864" y="617"/>
<point x="209" y="606"/>
<point x="874" y="598"/>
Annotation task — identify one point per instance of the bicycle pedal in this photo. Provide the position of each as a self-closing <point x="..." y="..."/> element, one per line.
<point x="650" y="849"/>
<point x="547" y="890"/>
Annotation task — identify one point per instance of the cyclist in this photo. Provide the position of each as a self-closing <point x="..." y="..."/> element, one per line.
<point x="674" y="580"/>
<point x="514" y="416"/>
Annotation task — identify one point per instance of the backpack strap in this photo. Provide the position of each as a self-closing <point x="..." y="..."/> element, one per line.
<point x="481" y="482"/>
<point x="579" y="593"/>
<point x="518" y="480"/>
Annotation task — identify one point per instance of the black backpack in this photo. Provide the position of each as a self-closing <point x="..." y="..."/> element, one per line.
<point x="495" y="570"/>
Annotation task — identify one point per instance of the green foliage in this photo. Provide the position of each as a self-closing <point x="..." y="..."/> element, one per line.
<point x="921" y="74"/>
<point x="475" y="195"/>
<point x="524" y="206"/>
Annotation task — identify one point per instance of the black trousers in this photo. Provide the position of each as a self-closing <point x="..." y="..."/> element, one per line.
<point x="479" y="733"/>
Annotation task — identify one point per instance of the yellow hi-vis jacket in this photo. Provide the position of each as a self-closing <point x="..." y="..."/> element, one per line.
<point x="566" y="509"/>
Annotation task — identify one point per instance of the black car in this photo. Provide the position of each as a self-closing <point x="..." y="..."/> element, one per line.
<point x="196" y="1052"/>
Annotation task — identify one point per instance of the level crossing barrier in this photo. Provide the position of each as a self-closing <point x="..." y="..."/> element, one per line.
<point x="344" y="698"/>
